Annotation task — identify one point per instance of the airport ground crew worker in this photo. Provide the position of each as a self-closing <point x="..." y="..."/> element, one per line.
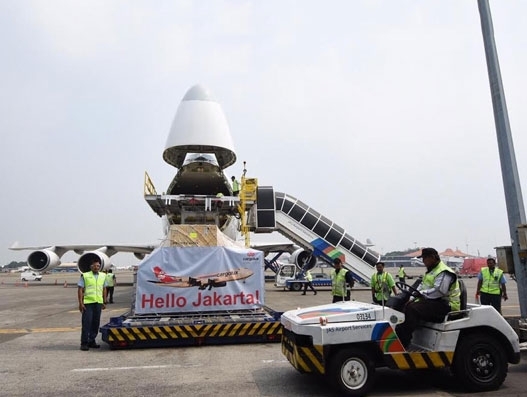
<point x="235" y="186"/>
<point x="309" y="283"/>
<point x="111" y="282"/>
<point x="339" y="278"/>
<point x="491" y="287"/>
<point x="439" y="294"/>
<point x="91" y="293"/>
<point x="401" y="274"/>
<point x="382" y="285"/>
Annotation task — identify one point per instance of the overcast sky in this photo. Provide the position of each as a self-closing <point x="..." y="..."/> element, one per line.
<point x="375" y="113"/>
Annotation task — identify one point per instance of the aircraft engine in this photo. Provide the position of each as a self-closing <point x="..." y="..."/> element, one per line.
<point x="43" y="260"/>
<point x="139" y="255"/>
<point x="213" y="283"/>
<point x="85" y="260"/>
<point x="303" y="259"/>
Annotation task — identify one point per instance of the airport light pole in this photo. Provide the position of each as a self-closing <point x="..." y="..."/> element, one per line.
<point x="509" y="169"/>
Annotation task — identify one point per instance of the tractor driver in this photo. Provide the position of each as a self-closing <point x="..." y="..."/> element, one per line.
<point x="439" y="294"/>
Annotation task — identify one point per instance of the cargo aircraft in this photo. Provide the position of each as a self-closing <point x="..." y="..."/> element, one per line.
<point x="200" y="146"/>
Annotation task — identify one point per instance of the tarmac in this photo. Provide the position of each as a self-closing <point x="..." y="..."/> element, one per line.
<point x="39" y="342"/>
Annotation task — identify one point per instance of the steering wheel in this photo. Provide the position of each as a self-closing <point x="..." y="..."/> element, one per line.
<point x="408" y="289"/>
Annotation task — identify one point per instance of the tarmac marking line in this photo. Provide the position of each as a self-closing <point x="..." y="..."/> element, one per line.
<point x="275" y="361"/>
<point x="37" y="330"/>
<point x="15" y="331"/>
<point x="142" y="367"/>
<point x="60" y="329"/>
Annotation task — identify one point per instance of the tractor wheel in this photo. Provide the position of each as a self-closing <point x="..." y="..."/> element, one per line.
<point x="296" y="286"/>
<point x="351" y="372"/>
<point x="480" y="363"/>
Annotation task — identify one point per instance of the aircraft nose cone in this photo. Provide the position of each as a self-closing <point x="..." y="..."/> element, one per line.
<point x="199" y="93"/>
<point x="199" y="126"/>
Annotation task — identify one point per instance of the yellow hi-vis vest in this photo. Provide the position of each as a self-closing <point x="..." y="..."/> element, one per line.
<point x="380" y="286"/>
<point x="401" y="273"/>
<point x="491" y="282"/>
<point x="338" y="282"/>
<point x="111" y="278"/>
<point x="93" y="287"/>
<point x="309" y="277"/>
<point x="235" y="186"/>
<point x="454" y="293"/>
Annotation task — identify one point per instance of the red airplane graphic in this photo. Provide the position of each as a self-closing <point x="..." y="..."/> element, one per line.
<point x="219" y="279"/>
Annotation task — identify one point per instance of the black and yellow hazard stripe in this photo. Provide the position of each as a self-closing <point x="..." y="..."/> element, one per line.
<point x="419" y="360"/>
<point x="304" y="358"/>
<point x="174" y="333"/>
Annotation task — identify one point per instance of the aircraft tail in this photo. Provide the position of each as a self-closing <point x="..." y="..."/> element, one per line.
<point x="158" y="271"/>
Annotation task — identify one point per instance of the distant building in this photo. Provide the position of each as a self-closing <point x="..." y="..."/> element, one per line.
<point x="453" y="258"/>
<point x="398" y="260"/>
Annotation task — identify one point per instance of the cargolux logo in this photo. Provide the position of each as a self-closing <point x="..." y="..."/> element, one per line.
<point x="251" y="257"/>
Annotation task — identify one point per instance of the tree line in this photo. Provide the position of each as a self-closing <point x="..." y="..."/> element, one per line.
<point x="14" y="265"/>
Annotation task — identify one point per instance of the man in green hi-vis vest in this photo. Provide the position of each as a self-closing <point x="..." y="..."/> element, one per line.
<point x="491" y="287"/>
<point x="91" y="293"/>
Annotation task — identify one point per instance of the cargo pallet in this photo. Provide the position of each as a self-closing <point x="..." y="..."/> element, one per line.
<point x="193" y="329"/>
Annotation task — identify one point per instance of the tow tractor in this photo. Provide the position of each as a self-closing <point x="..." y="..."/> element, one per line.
<point x="347" y="341"/>
<point x="289" y="276"/>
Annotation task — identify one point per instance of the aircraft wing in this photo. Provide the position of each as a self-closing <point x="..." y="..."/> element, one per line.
<point x="143" y="248"/>
<point x="47" y="257"/>
<point x="80" y="248"/>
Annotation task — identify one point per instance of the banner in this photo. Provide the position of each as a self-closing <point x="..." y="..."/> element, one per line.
<point x="195" y="279"/>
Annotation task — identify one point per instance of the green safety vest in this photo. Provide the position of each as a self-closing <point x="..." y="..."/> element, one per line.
<point x="491" y="282"/>
<point x="401" y="273"/>
<point x="381" y="285"/>
<point x="111" y="278"/>
<point x="338" y="282"/>
<point x="454" y="293"/>
<point x="235" y="186"/>
<point x="93" y="287"/>
<point x="309" y="277"/>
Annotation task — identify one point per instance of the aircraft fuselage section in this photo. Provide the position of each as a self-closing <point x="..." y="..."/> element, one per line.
<point x="200" y="178"/>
